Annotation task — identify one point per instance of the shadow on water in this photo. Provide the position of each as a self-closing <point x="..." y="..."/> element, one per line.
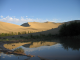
<point x="72" y="43"/>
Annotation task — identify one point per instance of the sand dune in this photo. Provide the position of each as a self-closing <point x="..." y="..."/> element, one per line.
<point x="34" y="26"/>
<point x="47" y="25"/>
<point x="45" y="28"/>
<point x="8" y="27"/>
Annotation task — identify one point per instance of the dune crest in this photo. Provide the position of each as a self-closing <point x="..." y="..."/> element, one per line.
<point x="47" y="25"/>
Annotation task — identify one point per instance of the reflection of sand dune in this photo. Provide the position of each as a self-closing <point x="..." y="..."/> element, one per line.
<point x="14" y="45"/>
<point x="28" y="44"/>
<point x="38" y="44"/>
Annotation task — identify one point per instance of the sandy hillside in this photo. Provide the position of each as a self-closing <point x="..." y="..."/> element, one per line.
<point x="47" y="25"/>
<point x="34" y="26"/>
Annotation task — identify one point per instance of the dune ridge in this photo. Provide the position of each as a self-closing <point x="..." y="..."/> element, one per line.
<point x="48" y="25"/>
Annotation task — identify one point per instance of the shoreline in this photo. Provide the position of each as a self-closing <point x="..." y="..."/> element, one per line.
<point x="7" y="51"/>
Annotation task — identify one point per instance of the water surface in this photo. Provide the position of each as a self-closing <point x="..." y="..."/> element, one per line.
<point x="52" y="50"/>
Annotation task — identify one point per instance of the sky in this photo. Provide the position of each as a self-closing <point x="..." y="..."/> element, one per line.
<point x="22" y="11"/>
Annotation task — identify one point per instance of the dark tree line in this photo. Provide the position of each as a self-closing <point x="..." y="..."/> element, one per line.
<point x="72" y="29"/>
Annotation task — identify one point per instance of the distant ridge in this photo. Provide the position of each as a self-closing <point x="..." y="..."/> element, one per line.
<point x="71" y="21"/>
<point x="47" y="24"/>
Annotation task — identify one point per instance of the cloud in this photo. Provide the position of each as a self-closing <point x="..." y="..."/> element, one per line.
<point x="26" y="16"/>
<point x="55" y="20"/>
<point x="1" y="16"/>
<point x="23" y="20"/>
<point x="9" y="19"/>
<point x="16" y="20"/>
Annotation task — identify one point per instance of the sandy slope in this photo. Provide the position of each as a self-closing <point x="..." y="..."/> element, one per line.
<point x="47" y="25"/>
<point x="34" y="26"/>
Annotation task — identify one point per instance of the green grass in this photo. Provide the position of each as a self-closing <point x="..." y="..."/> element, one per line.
<point x="31" y="36"/>
<point x="14" y="33"/>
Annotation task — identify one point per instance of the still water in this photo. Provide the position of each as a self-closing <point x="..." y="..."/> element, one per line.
<point x="49" y="50"/>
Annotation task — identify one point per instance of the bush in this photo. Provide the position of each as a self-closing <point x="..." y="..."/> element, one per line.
<point x="31" y="35"/>
<point x="19" y="50"/>
<point x="14" y="33"/>
<point x="28" y="32"/>
<point x="19" y="33"/>
<point x="7" y="39"/>
<point x="21" y="36"/>
<point x="4" y="38"/>
<point x="49" y="34"/>
<point x="72" y="29"/>
<point x="24" y="32"/>
<point x="12" y="37"/>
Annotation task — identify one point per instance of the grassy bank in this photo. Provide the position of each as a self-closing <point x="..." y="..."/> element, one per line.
<point x="15" y="33"/>
<point x="31" y="37"/>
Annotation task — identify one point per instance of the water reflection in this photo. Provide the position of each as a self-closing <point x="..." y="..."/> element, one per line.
<point x="12" y="57"/>
<point x="72" y="43"/>
<point x="14" y="45"/>
<point x="29" y="44"/>
<point x="64" y="49"/>
<point x="38" y="44"/>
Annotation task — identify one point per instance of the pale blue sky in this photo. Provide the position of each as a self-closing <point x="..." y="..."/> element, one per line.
<point x="21" y="11"/>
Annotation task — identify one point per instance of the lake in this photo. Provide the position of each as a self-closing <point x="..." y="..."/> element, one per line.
<point x="47" y="50"/>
